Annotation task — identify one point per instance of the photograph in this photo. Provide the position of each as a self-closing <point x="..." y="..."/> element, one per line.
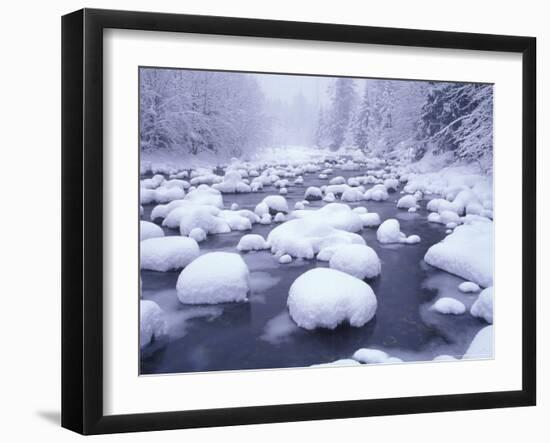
<point x="302" y="220"/>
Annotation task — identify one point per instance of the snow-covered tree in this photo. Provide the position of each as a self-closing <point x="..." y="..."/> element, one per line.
<point x="343" y="99"/>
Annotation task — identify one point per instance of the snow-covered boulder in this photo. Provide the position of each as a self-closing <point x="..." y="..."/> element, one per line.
<point x="197" y="234"/>
<point x="448" y="305"/>
<point x="468" y="286"/>
<point x="361" y="261"/>
<point x="236" y="221"/>
<point x="305" y="237"/>
<point x="391" y="184"/>
<point x="352" y="195"/>
<point x="313" y="193"/>
<point x="337" y="215"/>
<point x="152" y="324"/>
<point x="370" y="356"/>
<point x="407" y="202"/>
<point x="167" y="253"/>
<point x="279" y="217"/>
<point x="329" y="197"/>
<point x="337" y="180"/>
<point x="483" y="306"/>
<point x="370" y="220"/>
<point x="482" y="344"/>
<point x="285" y="259"/>
<point x="204" y="195"/>
<point x="252" y="242"/>
<point x="201" y="217"/>
<point x="232" y="183"/>
<point x="390" y="232"/>
<point x="215" y="277"/>
<point x="467" y="252"/>
<point x="324" y="298"/>
<point x="149" y="230"/>
<point x="274" y="204"/>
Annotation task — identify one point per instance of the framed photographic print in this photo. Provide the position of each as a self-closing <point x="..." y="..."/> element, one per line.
<point x="270" y="221"/>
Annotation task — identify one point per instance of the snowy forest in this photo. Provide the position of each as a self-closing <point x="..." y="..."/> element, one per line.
<point x="229" y="115"/>
<point x="293" y="221"/>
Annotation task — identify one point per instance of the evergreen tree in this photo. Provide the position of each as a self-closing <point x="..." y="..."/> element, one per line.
<point x="342" y="102"/>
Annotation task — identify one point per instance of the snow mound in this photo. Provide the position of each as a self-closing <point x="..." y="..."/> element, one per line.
<point x="407" y="202"/>
<point x="197" y="234"/>
<point x="232" y="183"/>
<point x="448" y="305"/>
<point x="252" y="242"/>
<point x="390" y="232"/>
<point x="337" y="215"/>
<point x="216" y="277"/>
<point x="313" y="193"/>
<point x="482" y="344"/>
<point x="324" y="298"/>
<point x="352" y="195"/>
<point x="370" y="356"/>
<point x="151" y="322"/>
<point x="274" y="204"/>
<point x="468" y="286"/>
<point x="360" y="261"/>
<point x="483" y="306"/>
<point x="149" y="230"/>
<point x="467" y="252"/>
<point x="204" y="195"/>
<point x="377" y="193"/>
<point x="370" y="220"/>
<point x="201" y="217"/>
<point x="167" y="253"/>
<point x="285" y="259"/>
<point x="303" y="238"/>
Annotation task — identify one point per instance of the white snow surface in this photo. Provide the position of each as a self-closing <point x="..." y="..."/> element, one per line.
<point x="390" y="232"/>
<point x="167" y="253"/>
<point x="483" y="306"/>
<point x="149" y="230"/>
<point x="151" y="322"/>
<point x="252" y="242"/>
<point x="467" y="252"/>
<point x="305" y="237"/>
<point x="407" y="202"/>
<point x="337" y="215"/>
<point x="215" y="277"/>
<point x="482" y="344"/>
<point x="324" y="298"/>
<point x="360" y="261"/>
<point x="468" y="286"/>
<point x="448" y="305"/>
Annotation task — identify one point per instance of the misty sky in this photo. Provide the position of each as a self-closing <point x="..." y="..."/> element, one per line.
<point x="285" y="87"/>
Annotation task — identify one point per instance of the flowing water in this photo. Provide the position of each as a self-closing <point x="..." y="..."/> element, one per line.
<point x="260" y="333"/>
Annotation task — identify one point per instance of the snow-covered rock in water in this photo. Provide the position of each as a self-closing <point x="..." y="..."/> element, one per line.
<point x="279" y="217"/>
<point x="285" y="259"/>
<point x="407" y="202"/>
<point x="153" y="182"/>
<point x="377" y="193"/>
<point x="360" y="210"/>
<point x="324" y="298"/>
<point x="197" y="234"/>
<point x="283" y="191"/>
<point x="299" y="181"/>
<point x="352" y="195"/>
<point x="167" y="253"/>
<point x="467" y="252"/>
<point x="234" y="206"/>
<point x="337" y="215"/>
<point x="323" y="176"/>
<point x="149" y="230"/>
<point x="370" y="220"/>
<point x="265" y="219"/>
<point x="361" y="261"/>
<point x="236" y="221"/>
<point x="412" y="210"/>
<point x="201" y="217"/>
<point x="252" y="242"/>
<point x="205" y="195"/>
<point x="274" y="204"/>
<point x="151" y="322"/>
<point x="164" y="194"/>
<point x="483" y="306"/>
<point x="174" y="217"/>
<point x="176" y="183"/>
<point x="313" y="193"/>
<point x="299" y="206"/>
<point x="482" y="344"/>
<point x="468" y="286"/>
<point x="329" y="197"/>
<point x="434" y="217"/>
<point x="446" y="217"/>
<point x="390" y="232"/>
<point x="305" y="237"/>
<point x="161" y="211"/>
<point x="337" y="180"/>
<point x="412" y="239"/>
<point x="448" y="305"/>
<point x="370" y="356"/>
<point x="326" y="253"/>
<point x="216" y="277"/>
<point x="391" y="184"/>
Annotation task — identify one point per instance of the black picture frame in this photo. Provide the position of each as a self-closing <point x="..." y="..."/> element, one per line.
<point x="82" y="218"/>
